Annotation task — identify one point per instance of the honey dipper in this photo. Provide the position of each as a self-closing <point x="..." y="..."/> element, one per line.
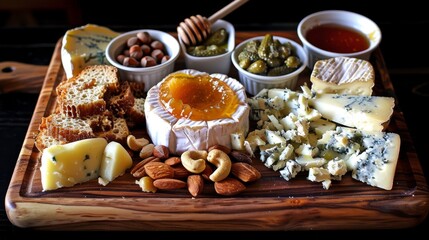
<point x="197" y="28"/>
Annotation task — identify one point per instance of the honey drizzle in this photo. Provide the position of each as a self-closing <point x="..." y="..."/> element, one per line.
<point x="198" y="98"/>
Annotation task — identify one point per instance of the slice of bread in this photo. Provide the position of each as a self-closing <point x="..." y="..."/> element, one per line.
<point x="64" y="128"/>
<point x="83" y="95"/>
<point x="136" y="112"/>
<point x="44" y="141"/>
<point x="118" y="133"/>
<point x="120" y="103"/>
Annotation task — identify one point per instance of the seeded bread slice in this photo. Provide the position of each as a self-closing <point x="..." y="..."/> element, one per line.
<point x="121" y="102"/>
<point x="63" y="128"/>
<point x="118" y="133"/>
<point x="44" y="141"/>
<point x="136" y="112"/>
<point x="83" y="95"/>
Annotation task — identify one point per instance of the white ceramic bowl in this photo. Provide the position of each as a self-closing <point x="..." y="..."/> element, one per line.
<point x="149" y="75"/>
<point x="213" y="64"/>
<point x="254" y="83"/>
<point x="344" y="18"/>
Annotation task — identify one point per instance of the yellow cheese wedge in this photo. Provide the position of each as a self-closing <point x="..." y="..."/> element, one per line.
<point x="83" y="46"/>
<point x="72" y="163"/>
<point x="116" y="160"/>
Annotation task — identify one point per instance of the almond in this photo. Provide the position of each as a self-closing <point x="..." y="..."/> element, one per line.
<point x="223" y="148"/>
<point x="229" y="187"/>
<point x="161" y="151"/>
<point x="195" y="184"/>
<point x="207" y="172"/>
<point x="172" y="161"/>
<point x="241" y="157"/>
<point x="138" y="170"/>
<point x="157" y="170"/>
<point x="245" y="172"/>
<point x="169" y="183"/>
<point x="147" y="151"/>
<point x="180" y="171"/>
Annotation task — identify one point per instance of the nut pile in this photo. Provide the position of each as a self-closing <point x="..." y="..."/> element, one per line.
<point x="143" y="51"/>
<point x="160" y="171"/>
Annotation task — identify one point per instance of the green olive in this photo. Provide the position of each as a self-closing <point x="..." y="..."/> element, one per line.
<point x="292" y="62"/>
<point x="274" y="62"/>
<point x="245" y="63"/>
<point x="258" y="67"/>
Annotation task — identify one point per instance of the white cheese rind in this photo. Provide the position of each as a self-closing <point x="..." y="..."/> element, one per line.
<point x="181" y="135"/>
<point x="83" y="46"/>
<point x="71" y="163"/>
<point x="367" y="113"/>
<point x="343" y="75"/>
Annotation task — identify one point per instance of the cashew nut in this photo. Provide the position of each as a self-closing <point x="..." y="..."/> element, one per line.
<point x="222" y="162"/>
<point x="194" y="160"/>
<point x="136" y="144"/>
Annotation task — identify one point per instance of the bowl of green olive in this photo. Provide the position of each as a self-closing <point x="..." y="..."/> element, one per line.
<point x="213" y="55"/>
<point x="268" y="62"/>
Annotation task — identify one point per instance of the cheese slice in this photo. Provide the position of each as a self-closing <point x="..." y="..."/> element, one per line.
<point x="182" y="134"/>
<point x="72" y="163"/>
<point x="83" y="46"/>
<point x="367" y="113"/>
<point x="343" y="75"/>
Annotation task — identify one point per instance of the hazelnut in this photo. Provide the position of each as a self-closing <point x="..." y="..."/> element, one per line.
<point x="157" y="45"/>
<point x="157" y="54"/>
<point x="148" y="61"/>
<point x="133" y="41"/>
<point x="130" y="62"/>
<point x="165" y="59"/>
<point x="144" y="37"/>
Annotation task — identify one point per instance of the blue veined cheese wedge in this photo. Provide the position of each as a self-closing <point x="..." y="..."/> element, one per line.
<point x="368" y="113"/>
<point x="72" y="163"/>
<point x="343" y="75"/>
<point x="83" y="46"/>
<point x="371" y="156"/>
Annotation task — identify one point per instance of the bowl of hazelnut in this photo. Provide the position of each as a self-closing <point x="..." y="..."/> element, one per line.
<point x="144" y="56"/>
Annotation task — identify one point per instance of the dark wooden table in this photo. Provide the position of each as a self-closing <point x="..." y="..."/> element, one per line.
<point x="16" y="109"/>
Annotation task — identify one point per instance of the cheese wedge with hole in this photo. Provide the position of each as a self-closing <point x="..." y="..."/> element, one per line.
<point x="368" y="113"/>
<point x="83" y="46"/>
<point x="343" y="75"/>
<point x="183" y="134"/>
<point x="72" y="163"/>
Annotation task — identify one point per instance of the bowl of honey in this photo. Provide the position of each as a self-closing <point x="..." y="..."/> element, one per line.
<point x="335" y="33"/>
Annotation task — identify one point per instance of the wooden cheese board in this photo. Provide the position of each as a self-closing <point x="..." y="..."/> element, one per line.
<point x="270" y="203"/>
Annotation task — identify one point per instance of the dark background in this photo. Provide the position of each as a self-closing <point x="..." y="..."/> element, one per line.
<point x="29" y="31"/>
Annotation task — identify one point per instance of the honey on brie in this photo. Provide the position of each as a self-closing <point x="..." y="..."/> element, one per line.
<point x="192" y="110"/>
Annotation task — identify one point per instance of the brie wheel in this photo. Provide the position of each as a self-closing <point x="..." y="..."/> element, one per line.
<point x="183" y="134"/>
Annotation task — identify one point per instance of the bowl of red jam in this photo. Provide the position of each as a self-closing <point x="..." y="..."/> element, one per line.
<point x="334" y="33"/>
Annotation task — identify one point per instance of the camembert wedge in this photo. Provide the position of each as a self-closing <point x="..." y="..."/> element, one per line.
<point x="343" y="75"/>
